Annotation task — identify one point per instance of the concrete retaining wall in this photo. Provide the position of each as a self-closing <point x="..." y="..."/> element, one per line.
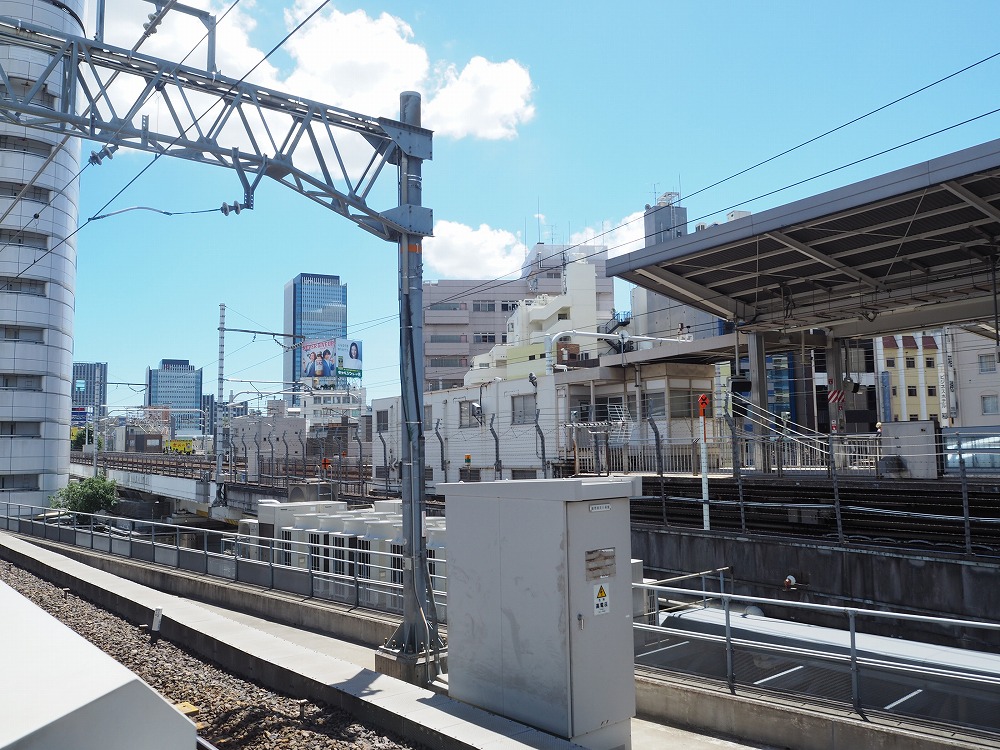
<point x="941" y="585"/>
<point x="359" y="626"/>
<point x="786" y="725"/>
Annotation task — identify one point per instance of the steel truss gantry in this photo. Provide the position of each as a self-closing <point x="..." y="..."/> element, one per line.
<point x="256" y="131"/>
<point x="307" y="146"/>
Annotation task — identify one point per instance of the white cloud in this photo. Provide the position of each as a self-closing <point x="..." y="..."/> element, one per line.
<point x="461" y="252"/>
<point x="485" y="100"/>
<point x="348" y="60"/>
<point x="354" y="61"/>
<point x="620" y="236"/>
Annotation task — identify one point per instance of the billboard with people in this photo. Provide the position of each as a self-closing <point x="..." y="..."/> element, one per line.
<point x="331" y="358"/>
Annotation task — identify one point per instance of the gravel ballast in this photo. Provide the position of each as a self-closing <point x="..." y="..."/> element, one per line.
<point x="233" y="714"/>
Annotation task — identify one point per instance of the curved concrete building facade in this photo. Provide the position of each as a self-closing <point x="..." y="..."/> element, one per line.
<point x="37" y="276"/>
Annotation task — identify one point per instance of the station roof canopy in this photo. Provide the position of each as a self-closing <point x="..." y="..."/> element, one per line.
<point x="906" y="250"/>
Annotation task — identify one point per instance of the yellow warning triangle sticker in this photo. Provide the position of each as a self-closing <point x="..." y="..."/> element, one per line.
<point x="601" y="593"/>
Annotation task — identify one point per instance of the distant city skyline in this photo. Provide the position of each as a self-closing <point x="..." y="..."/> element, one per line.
<point x="520" y="166"/>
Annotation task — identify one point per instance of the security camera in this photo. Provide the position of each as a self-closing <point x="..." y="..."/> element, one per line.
<point x="476" y="409"/>
<point x="532" y="379"/>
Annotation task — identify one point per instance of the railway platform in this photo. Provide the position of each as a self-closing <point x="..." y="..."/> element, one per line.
<point x="320" y="667"/>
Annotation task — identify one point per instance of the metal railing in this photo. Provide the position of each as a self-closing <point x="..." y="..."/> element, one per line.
<point x="344" y="568"/>
<point x="726" y="637"/>
<point x="703" y="631"/>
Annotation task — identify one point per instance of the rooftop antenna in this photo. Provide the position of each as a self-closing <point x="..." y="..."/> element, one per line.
<point x="538" y="220"/>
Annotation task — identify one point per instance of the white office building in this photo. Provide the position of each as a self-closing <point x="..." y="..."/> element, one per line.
<point x="38" y="202"/>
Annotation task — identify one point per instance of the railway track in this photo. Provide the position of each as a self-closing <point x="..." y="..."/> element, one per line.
<point x="911" y="514"/>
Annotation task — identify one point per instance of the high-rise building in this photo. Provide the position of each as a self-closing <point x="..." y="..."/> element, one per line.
<point x="465" y="318"/>
<point x="315" y="309"/>
<point x="654" y="314"/>
<point x="38" y="200"/>
<point x="90" y="391"/>
<point x="177" y="384"/>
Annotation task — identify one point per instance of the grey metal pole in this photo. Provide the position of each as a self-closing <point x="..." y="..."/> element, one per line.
<point x="730" y="672"/>
<point x="497" y="464"/>
<point x="417" y="629"/>
<point x="855" y="670"/>
<point x="836" y="492"/>
<point x="220" y="396"/>
<point x="444" y="461"/>
<point x="966" y="522"/>
<point x="361" y="477"/>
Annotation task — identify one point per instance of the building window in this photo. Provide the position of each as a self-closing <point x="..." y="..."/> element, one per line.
<point x="382" y="420"/>
<point x="934" y="417"/>
<point x="911" y="363"/>
<point x="25" y="239"/>
<point x="932" y="390"/>
<point x="522" y="409"/>
<point x="553" y="274"/>
<point x="483" y="305"/>
<point x="445" y="306"/>
<point x="484" y="337"/>
<point x="914" y="417"/>
<point x="509" y="305"/>
<point x="27" y="145"/>
<point x="447" y="338"/>
<point x="503" y="338"/>
<point x="12" y="382"/>
<point x="890" y="362"/>
<point x="22" y="286"/>
<point x="20" y="429"/>
<point x="991" y="404"/>
<point x="930" y="362"/>
<point x="911" y="390"/>
<point x="894" y="393"/>
<point x="987" y="363"/>
<point x="524" y="473"/>
<point x="448" y="362"/>
<point x="18" y="482"/>
<point x="562" y="316"/>
<point x="468" y="412"/>
<point x="468" y="474"/>
<point x="428" y="415"/>
<point x="654" y="405"/>
<point x="20" y="333"/>
<point x="684" y="403"/>
<point x="12" y="189"/>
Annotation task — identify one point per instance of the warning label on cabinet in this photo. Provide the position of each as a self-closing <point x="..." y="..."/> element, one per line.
<point x="601" y="603"/>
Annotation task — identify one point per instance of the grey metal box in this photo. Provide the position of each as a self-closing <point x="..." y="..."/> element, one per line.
<point x="540" y="604"/>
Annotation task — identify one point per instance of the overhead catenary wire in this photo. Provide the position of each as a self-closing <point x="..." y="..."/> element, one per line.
<point x="86" y="165"/>
<point x="811" y="140"/>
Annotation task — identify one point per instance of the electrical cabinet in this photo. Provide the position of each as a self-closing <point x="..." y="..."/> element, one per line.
<point x="540" y="604"/>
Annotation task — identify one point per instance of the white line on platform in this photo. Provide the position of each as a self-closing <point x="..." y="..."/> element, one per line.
<point x="780" y="674"/>
<point x="666" y="648"/>
<point x="904" y="698"/>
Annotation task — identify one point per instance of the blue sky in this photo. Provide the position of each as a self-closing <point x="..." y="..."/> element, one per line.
<point x="580" y="112"/>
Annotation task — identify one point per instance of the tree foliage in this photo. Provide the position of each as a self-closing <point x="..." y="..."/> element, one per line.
<point x="87" y="496"/>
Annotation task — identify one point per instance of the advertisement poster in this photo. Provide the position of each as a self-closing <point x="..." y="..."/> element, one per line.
<point x="349" y="358"/>
<point x="323" y="361"/>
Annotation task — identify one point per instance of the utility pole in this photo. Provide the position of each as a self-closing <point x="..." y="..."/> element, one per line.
<point x="414" y="640"/>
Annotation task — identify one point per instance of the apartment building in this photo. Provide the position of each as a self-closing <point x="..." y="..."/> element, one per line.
<point x="465" y="318"/>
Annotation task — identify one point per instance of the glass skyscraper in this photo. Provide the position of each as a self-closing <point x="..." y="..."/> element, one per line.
<point x="316" y="309"/>
<point x="177" y="385"/>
